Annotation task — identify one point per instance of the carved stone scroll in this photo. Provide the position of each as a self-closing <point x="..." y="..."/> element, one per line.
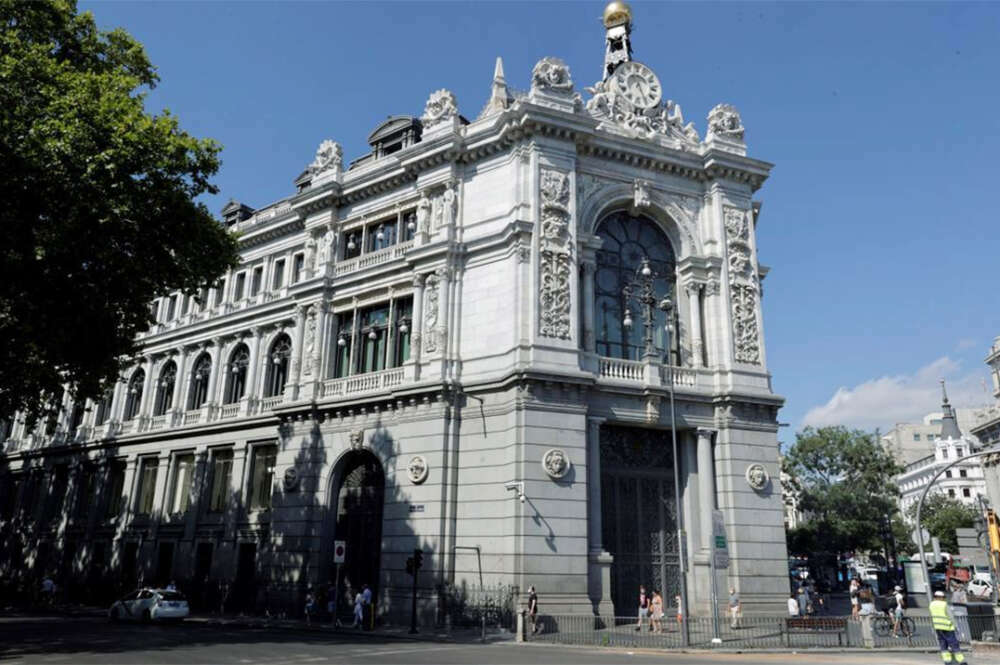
<point x="556" y="256"/>
<point x="743" y="287"/>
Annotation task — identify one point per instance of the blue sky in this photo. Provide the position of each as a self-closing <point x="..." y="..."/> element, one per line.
<point x="880" y="218"/>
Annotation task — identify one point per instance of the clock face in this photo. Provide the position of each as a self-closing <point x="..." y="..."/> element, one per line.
<point x="638" y="84"/>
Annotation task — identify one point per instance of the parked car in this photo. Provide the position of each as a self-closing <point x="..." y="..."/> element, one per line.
<point x="149" y="605"/>
<point x="980" y="588"/>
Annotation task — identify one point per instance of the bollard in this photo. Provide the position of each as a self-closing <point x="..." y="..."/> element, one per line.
<point x="867" y="637"/>
<point x="520" y="626"/>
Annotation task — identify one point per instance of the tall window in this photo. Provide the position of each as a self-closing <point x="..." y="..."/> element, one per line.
<point x="374" y="337"/>
<point x="116" y="487"/>
<point x="165" y="388"/>
<point x="240" y="287"/>
<point x="220" y="292"/>
<point x="147" y="485"/>
<point x="171" y="308"/>
<point x="180" y="494"/>
<point x="403" y="314"/>
<point x="351" y="242"/>
<point x="236" y="374"/>
<point x="256" y="279"/>
<point x="345" y="338"/>
<point x="298" y="264"/>
<point x="133" y="400"/>
<point x="57" y="492"/>
<point x="409" y="228"/>
<point x="381" y="235"/>
<point x="626" y="240"/>
<point x="222" y="471"/>
<point x="262" y="477"/>
<point x="103" y="408"/>
<point x="199" y="381"/>
<point x="11" y="493"/>
<point x="277" y="366"/>
<point x="278" y="274"/>
<point x="85" y="491"/>
<point x="76" y="417"/>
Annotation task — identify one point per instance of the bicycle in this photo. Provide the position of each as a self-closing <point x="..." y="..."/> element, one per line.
<point x="883" y="623"/>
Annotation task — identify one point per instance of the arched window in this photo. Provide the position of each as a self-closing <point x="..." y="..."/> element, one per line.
<point x="199" y="381"/>
<point x="627" y="240"/>
<point x="134" y="398"/>
<point x="165" y="388"/>
<point x="236" y="376"/>
<point x="277" y="366"/>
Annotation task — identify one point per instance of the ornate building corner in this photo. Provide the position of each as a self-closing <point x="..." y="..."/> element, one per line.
<point x="743" y="287"/>
<point x="556" y="256"/>
<point x="551" y="85"/>
<point x="725" y="129"/>
<point x="441" y="110"/>
<point x="326" y="166"/>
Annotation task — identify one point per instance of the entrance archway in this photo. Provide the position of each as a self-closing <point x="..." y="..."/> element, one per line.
<point x="638" y="514"/>
<point x="357" y="503"/>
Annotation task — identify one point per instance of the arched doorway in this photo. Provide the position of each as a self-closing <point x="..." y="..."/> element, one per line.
<point x="356" y="511"/>
<point x="638" y="514"/>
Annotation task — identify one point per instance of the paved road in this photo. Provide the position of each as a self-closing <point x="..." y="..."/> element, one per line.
<point x="82" y="641"/>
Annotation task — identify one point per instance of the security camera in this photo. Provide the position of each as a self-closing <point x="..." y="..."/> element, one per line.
<point x="522" y="498"/>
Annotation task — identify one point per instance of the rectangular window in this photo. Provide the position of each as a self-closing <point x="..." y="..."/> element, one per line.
<point x="278" y="280"/>
<point x="185" y="301"/>
<point x="345" y="331"/>
<point x="960" y="451"/>
<point x="409" y="225"/>
<point x="262" y="476"/>
<point x="171" y="308"/>
<point x="154" y="309"/>
<point x="116" y="487"/>
<point x="298" y="263"/>
<point x="966" y="492"/>
<point x="916" y="436"/>
<point x="962" y="473"/>
<point x="181" y="491"/>
<point x="203" y="299"/>
<point x="351" y="242"/>
<point x="255" y="281"/>
<point x="951" y="493"/>
<point x="403" y="312"/>
<point x="238" y="289"/>
<point x="222" y="471"/>
<point x="381" y="235"/>
<point x="220" y="292"/>
<point x="947" y="474"/>
<point x="147" y="485"/>
<point x="57" y="492"/>
<point x="373" y="334"/>
<point x="85" y="492"/>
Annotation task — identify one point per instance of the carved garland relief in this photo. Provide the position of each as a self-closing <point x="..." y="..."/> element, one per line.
<point x="431" y="314"/>
<point x="743" y="287"/>
<point x="556" y="256"/>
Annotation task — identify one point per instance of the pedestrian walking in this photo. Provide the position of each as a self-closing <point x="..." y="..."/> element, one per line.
<point x="680" y="611"/>
<point x="310" y="606"/>
<point x="793" y="606"/>
<point x="359" y="616"/>
<point x="331" y="603"/>
<point x="533" y="609"/>
<point x="898" y="610"/>
<point x="944" y="626"/>
<point x="735" y="608"/>
<point x="643" y="608"/>
<point x="854" y="590"/>
<point x="656" y="619"/>
<point x="48" y="590"/>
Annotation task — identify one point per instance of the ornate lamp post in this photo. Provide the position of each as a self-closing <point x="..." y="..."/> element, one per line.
<point x="642" y="290"/>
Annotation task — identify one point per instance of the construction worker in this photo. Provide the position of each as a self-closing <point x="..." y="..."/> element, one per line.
<point x="944" y="626"/>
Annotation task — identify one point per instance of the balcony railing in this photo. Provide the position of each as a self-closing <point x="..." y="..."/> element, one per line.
<point x="625" y="370"/>
<point x="268" y="403"/>
<point x="372" y="259"/>
<point x="158" y="422"/>
<point x="363" y="383"/>
<point x="229" y="410"/>
<point x="619" y="370"/>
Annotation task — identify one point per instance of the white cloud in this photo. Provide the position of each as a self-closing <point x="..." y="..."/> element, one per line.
<point x="887" y="400"/>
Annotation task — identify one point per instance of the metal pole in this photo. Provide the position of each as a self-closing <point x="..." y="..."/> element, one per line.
<point x="920" y="505"/>
<point x="716" y="639"/>
<point x="681" y="544"/>
<point x="336" y="599"/>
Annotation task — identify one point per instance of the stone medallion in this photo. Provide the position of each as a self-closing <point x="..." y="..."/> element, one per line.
<point x="757" y="477"/>
<point x="291" y="479"/>
<point x="556" y="463"/>
<point x="417" y="469"/>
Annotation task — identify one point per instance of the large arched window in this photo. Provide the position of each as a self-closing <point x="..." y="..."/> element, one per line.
<point x="236" y="375"/>
<point x="165" y="388"/>
<point x="277" y="366"/>
<point x="134" y="398"/>
<point x="199" y="381"/>
<point x="627" y="240"/>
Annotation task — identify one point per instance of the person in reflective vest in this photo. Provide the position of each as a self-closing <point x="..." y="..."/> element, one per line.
<point x="944" y="626"/>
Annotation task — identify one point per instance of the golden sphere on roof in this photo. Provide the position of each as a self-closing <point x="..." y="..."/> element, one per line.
<point x="617" y="13"/>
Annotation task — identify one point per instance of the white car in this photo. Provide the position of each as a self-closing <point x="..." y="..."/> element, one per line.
<point x="980" y="588"/>
<point x="149" y="605"/>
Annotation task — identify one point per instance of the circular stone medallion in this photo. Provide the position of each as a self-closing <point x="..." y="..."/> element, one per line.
<point x="757" y="476"/>
<point x="291" y="479"/>
<point x="556" y="463"/>
<point x="417" y="469"/>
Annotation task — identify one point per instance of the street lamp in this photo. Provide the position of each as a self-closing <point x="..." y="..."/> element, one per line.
<point x="642" y="290"/>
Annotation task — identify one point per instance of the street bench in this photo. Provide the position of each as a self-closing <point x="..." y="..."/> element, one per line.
<point x="817" y="625"/>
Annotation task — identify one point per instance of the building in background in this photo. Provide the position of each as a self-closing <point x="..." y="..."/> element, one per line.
<point x="910" y="442"/>
<point x="987" y="428"/>
<point x="410" y="337"/>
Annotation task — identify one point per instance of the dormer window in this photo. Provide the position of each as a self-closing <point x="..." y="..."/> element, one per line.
<point x="235" y="212"/>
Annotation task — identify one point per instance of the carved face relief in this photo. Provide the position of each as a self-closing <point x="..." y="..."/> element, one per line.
<point x="551" y="74"/>
<point x="556" y="463"/>
<point x="357" y="438"/>
<point x="757" y="477"/>
<point x="417" y="470"/>
<point x="290" y="480"/>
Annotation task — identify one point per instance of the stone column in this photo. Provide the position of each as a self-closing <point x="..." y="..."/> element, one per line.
<point x="706" y="485"/>
<point x="587" y="268"/>
<point x="176" y="400"/>
<point x="118" y="395"/>
<point x="598" y="560"/>
<point x="322" y="342"/>
<point x="295" y="375"/>
<point x="147" y="389"/>
<point x="444" y="287"/>
<point x="390" y="330"/>
<point x="417" y="324"/>
<point x="354" y="338"/>
<point x="693" y="290"/>
<point x="198" y="492"/>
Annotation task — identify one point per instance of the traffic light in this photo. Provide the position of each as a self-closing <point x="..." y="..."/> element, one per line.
<point x="409" y="565"/>
<point x="418" y="559"/>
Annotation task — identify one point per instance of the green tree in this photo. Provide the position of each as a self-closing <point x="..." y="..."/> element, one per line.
<point x="941" y="515"/>
<point x="99" y="212"/>
<point x="843" y="480"/>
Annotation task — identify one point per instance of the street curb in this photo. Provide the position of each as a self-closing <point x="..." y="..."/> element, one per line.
<point x="647" y="650"/>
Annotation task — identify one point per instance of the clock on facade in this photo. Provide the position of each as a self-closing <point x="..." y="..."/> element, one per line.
<point x="637" y="83"/>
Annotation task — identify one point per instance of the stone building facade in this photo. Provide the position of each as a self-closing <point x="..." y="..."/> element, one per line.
<point x="427" y="349"/>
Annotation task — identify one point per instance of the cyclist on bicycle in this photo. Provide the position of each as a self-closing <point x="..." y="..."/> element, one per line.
<point x="897" y="610"/>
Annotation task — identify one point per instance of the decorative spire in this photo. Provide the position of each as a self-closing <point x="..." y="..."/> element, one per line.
<point x="949" y="427"/>
<point x="500" y="97"/>
<point x="618" y="45"/>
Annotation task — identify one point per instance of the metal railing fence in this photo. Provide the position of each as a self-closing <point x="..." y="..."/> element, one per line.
<point x="749" y="632"/>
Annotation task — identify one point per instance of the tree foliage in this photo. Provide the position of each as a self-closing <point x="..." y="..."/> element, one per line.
<point x="100" y="213"/>
<point x="843" y="480"/>
<point x="941" y="515"/>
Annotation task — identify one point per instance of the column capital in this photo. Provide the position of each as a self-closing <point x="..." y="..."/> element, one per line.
<point x="418" y="280"/>
<point x="705" y="432"/>
<point x="692" y="286"/>
<point x="588" y="265"/>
